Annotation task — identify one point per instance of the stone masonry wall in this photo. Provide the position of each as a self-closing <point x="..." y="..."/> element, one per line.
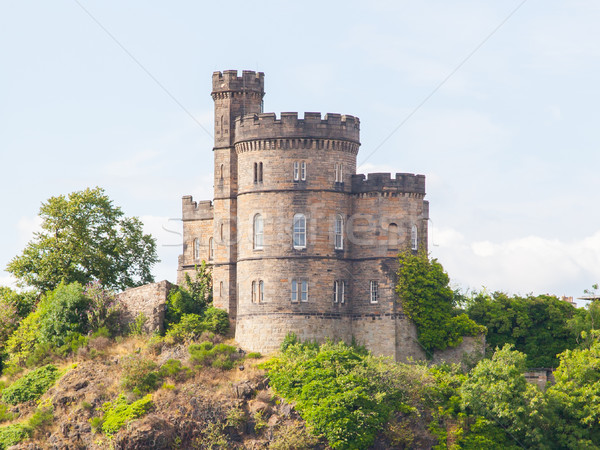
<point x="150" y="300"/>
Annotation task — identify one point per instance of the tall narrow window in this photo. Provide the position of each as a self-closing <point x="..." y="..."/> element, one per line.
<point x="260" y="172"/>
<point x="414" y="238"/>
<point x="221" y="231"/>
<point x="211" y="249"/>
<point x="256" y="172"/>
<point x="338" y="173"/>
<point x="254" y="292"/>
<point x="196" y="248"/>
<point x="258" y="232"/>
<point x="304" y="291"/>
<point x="299" y="231"/>
<point x="294" y="290"/>
<point x="220" y="289"/>
<point x="221" y="172"/>
<point x="303" y="171"/>
<point x="392" y="235"/>
<point x="261" y="291"/>
<point x="374" y="291"/>
<point x="296" y="170"/>
<point x="335" y="291"/>
<point x="342" y="292"/>
<point x="339" y="232"/>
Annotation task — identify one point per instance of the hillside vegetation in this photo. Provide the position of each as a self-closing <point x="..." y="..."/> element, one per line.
<point x="75" y="376"/>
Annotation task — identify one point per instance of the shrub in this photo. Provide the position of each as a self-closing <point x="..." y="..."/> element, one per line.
<point x="173" y="368"/>
<point x="220" y="356"/>
<point x="191" y="298"/>
<point x="120" y="412"/>
<point x="138" y="326"/>
<point x="43" y="416"/>
<point x="236" y="417"/>
<point x="13" y="434"/>
<point x="31" y="386"/>
<point x="23" y="341"/>
<point x="140" y="375"/>
<point x="65" y="314"/>
<point x="254" y="355"/>
<point x="5" y="414"/>
<point x="104" y="309"/>
<point x="342" y="392"/>
<point x="190" y="327"/>
<point x="216" y="320"/>
<point x="293" y="436"/>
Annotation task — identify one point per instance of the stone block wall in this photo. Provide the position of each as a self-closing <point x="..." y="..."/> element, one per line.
<point x="150" y="300"/>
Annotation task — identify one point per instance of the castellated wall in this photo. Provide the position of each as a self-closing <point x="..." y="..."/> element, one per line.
<point x="197" y="224"/>
<point x="257" y="160"/>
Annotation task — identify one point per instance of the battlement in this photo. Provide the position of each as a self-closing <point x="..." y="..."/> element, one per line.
<point x="267" y="126"/>
<point x="229" y="80"/>
<point x="383" y="182"/>
<point x="192" y="210"/>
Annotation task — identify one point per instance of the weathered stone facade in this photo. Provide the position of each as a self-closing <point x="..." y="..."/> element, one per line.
<point x="149" y="300"/>
<point x="292" y="223"/>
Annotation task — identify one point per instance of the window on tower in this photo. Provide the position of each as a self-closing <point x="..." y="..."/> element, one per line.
<point x="299" y="238"/>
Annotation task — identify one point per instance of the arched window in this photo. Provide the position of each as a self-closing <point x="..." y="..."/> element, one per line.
<point x="299" y="231"/>
<point x="339" y="232"/>
<point x="414" y="238"/>
<point x="258" y="288"/>
<point x="221" y="172"/>
<point x="392" y="235"/>
<point x="220" y="289"/>
<point x="211" y="249"/>
<point x="196" y="248"/>
<point x="221" y="231"/>
<point x="258" y="232"/>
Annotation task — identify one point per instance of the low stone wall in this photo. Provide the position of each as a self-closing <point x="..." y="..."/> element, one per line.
<point x="149" y="300"/>
<point x="540" y="377"/>
<point x="471" y="350"/>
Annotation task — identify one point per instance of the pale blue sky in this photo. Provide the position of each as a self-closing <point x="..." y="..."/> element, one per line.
<point x="509" y="144"/>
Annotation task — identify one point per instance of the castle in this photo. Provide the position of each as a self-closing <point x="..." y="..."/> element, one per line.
<point x="298" y="242"/>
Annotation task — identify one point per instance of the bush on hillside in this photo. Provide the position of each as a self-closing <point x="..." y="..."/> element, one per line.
<point x="31" y="386"/>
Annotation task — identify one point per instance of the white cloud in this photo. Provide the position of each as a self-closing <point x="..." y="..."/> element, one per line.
<point x="522" y="265"/>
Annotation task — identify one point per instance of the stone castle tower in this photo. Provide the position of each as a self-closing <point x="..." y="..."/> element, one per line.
<point x="296" y="239"/>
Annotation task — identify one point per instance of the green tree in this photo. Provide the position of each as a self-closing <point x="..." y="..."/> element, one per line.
<point x="537" y="326"/>
<point x="427" y="299"/>
<point x="192" y="297"/>
<point x="576" y="397"/>
<point x="84" y="238"/>
<point x="497" y="390"/>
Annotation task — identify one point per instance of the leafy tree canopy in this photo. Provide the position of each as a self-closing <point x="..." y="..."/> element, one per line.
<point x="538" y="326"/>
<point x="84" y="238"/>
<point x="427" y="299"/>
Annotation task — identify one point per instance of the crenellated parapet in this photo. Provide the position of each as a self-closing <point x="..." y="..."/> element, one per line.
<point x="192" y="210"/>
<point x="383" y="182"/>
<point x="227" y="82"/>
<point x="323" y="131"/>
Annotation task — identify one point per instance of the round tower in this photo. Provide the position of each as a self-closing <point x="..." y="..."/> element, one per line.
<point x="294" y="181"/>
<point x="233" y="96"/>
